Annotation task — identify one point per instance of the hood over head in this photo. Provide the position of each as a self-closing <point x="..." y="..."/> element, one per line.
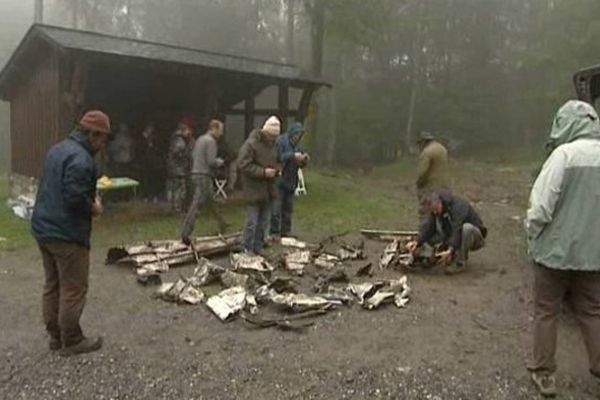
<point x="574" y="120"/>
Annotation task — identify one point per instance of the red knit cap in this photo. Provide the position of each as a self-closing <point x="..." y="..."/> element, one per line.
<point x="95" y="121"/>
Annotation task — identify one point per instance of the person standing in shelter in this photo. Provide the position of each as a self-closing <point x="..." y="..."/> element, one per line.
<point x="257" y="162"/>
<point x="179" y="164"/>
<point x="291" y="159"/>
<point x="205" y="162"/>
<point x="62" y="224"/>
<point x="564" y="233"/>
<point x="121" y="152"/>
<point x="150" y="166"/>
<point x="431" y="174"/>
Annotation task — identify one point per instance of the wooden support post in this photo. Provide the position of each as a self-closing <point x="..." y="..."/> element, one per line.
<point x="305" y="103"/>
<point x="283" y="105"/>
<point x="248" y="116"/>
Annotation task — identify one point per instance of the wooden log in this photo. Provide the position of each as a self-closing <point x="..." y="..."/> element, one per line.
<point x="387" y="235"/>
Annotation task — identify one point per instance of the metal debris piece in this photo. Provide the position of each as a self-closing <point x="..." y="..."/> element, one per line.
<point x="287" y="322"/>
<point x="293" y="242"/>
<point x="324" y="279"/>
<point x="227" y="303"/>
<point x="283" y="284"/>
<point x="171" y="252"/>
<point x="296" y="262"/>
<point x="145" y="277"/>
<point x="230" y="279"/>
<point x="206" y="273"/>
<point x="373" y="294"/>
<point x="337" y="294"/>
<point x="405" y="260"/>
<point x="302" y="302"/>
<point x="243" y="261"/>
<point x="363" y="291"/>
<point x="387" y="235"/>
<point x="180" y="291"/>
<point x="389" y="253"/>
<point x="366" y="270"/>
<point x="327" y="261"/>
<point x="378" y="298"/>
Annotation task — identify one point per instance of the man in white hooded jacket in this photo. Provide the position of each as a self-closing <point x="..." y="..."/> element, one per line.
<point x="564" y="239"/>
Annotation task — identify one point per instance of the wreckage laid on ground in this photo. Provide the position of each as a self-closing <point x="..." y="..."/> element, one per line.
<point x="265" y="292"/>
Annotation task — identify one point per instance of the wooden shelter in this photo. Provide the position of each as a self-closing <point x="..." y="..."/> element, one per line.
<point x="55" y="74"/>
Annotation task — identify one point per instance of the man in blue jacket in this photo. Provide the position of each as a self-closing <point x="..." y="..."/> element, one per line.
<point x="291" y="159"/>
<point x="62" y="223"/>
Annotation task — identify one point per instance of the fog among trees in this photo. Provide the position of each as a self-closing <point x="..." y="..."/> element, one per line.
<point x="487" y="75"/>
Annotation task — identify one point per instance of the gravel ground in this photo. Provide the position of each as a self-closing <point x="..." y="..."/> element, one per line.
<point x="461" y="337"/>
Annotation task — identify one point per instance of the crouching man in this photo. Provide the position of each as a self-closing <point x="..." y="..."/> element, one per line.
<point x="62" y="225"/>
<point x="456" y="225"/>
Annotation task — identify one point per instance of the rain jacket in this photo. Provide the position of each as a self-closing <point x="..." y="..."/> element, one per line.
<point x="433" y="163"/>
<point x="562" y="225"/>
<point x="286" y="149"/>
<point x="257" y="154"/>
<point x="63" y="207"/>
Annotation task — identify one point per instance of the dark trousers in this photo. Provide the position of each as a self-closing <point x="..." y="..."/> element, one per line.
<point x="281" y="213"/>
<point x="203" y="197"/>
<point x="66" y="270"/>
<point x="582" y="290"/>
<point x="257" y="216"/>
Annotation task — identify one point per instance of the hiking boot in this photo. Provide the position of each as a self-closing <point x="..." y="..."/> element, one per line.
<point x="545" y="383"/>
<point x="54" y="344"/>
<point x="455" y="268"/>
<point x="186" y="240"/>
<point x="87" y="345"/>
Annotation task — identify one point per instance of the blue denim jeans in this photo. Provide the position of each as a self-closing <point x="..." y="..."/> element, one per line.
<point x="257" y="216"/>
<point x="281" y="213"/>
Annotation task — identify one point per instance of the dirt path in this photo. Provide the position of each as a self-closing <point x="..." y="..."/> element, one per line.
<point x="461" y="337"/>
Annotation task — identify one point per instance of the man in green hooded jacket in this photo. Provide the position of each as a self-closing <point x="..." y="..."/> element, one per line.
<point x="564" y="236"/>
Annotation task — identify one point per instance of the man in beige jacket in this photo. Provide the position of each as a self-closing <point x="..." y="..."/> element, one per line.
<point x="431" y="176"/>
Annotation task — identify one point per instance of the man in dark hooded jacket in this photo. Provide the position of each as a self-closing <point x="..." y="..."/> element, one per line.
<point x="455" y="224"/>
<point x="62" y="224"/>
<point x="291" y="159"/>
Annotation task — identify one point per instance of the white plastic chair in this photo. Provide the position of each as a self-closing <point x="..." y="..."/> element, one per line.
<point x="301" y="188"/>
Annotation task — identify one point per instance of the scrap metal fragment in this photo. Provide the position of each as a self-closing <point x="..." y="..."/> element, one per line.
<point x="327" y="261"/>
<point x="302" y="302"/>
<point x="387" y="235"/>
<point x="180" y="291"/>
<point x="171" y="252"/>
<point x="296" y="262"/>
<point x="293" y="242"/>
<point x="366" y="270"/>
<point x="337" y="294"/>
<point x="231" y="279"/>
<point x="283" y="284"/>
<point x="206" y="273"/>
<point x="324" y="279"/>
<point x="243" y="261"/>
<point x="145" y="277"/>
<point x="227" y="303"/>
<point x="378" y="298"/>
<point x="389" y="253"/>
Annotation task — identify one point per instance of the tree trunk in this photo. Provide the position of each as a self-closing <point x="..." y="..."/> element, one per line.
<point x="291" y="25"/>
<point x="39" y="12"/>
<point x="317" y="29"/>
<point x="415" y="83"/>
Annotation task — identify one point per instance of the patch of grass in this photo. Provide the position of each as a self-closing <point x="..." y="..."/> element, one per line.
<point x="337" y="201"/>
<point x="14" y="232"/>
